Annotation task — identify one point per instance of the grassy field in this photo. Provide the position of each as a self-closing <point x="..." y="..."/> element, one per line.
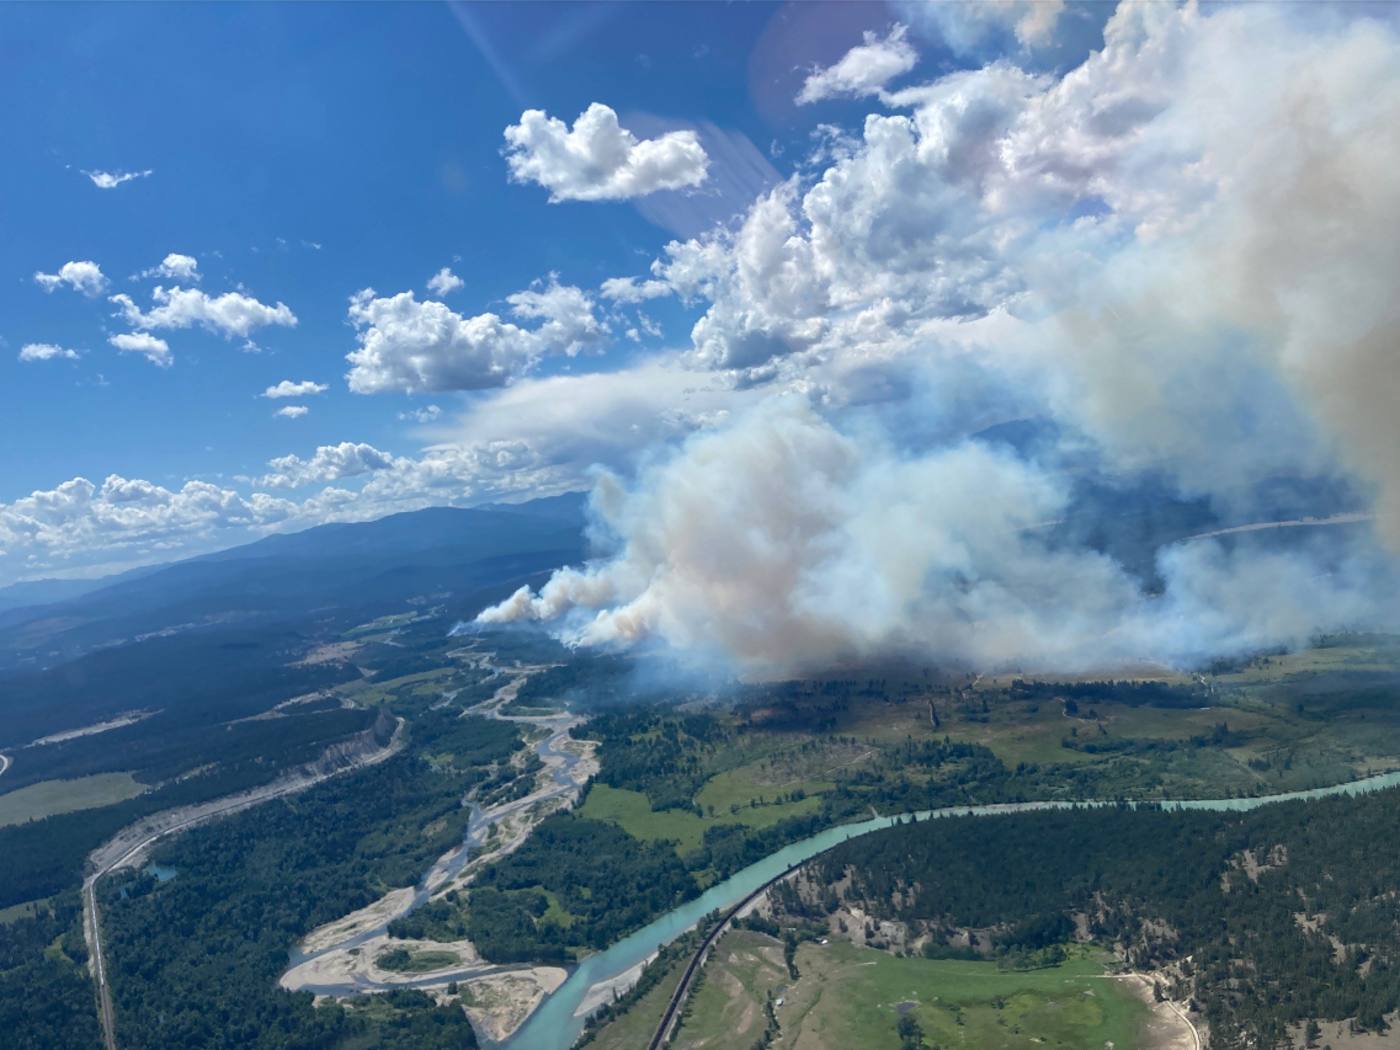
<point x="766" y="778"/>
<point x="423" y="683"/>
<point x="631" y="811"/>
<point x="385" y="625"/>
<point x="728" y="1009"/>
<point x="50" y="797"/>
<point x="847" y="996"/>
<point x="26" y="910"/>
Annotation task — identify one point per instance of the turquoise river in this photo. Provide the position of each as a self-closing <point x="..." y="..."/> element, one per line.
<point x="559" y="1020"/>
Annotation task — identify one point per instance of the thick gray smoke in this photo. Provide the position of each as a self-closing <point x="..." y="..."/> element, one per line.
<point x="1180" y="256"/>
<point x="778" y="543"/>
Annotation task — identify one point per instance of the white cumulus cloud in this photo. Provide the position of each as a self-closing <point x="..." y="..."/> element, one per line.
<point x="175" y="267"/>
<point x="444" y="282"/>
<point x="45" y="352"/>
<point x="632" y="289"/>
<point x="288" y="388"/>
<point x="598" y="159"/>
<point x="329" y="463"/>
<point x="82" y="276"/>
<point x="155" y="349"/>
<point x="416" y="347"/>
<point x="292" y="411"/>
<point x="231" y="314"/>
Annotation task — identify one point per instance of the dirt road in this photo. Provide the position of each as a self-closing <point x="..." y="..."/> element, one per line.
<point x="1292" y="523"/>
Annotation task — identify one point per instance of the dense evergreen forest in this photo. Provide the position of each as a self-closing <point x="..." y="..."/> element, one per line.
<point x="1286" y="913"/>
<point x="195" y="960"/>
<point x="607" y="882"/>
<point x="46" y="999"/>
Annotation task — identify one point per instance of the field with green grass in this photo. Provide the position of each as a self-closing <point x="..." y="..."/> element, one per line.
<point x="425" y="684"/>
<point x="51" y="797"/>
<point x="744" y="971"/>
<point x="384" y="625"/>
<point x="26" y="910"/>
<point x="847" y="996"/>
<point x="631" y="810"/>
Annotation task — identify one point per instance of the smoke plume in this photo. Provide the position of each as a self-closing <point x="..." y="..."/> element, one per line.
<point x="1178" y="260"/>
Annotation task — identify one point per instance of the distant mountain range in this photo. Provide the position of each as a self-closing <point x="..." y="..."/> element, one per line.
<point x="463" y="557"/>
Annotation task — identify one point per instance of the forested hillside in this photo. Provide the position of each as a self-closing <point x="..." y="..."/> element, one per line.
<point x="1270" y="918"/>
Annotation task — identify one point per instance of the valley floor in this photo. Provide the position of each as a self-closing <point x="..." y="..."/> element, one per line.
<point x="347" y="957"/>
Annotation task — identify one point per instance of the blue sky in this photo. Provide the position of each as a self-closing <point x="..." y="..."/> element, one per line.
<point x="372" y="131"/>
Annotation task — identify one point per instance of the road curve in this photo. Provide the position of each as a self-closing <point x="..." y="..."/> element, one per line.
<point x="1148" y="981"/>
<point x="1195" y="1032"/>
<point x="283" y="786"/>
